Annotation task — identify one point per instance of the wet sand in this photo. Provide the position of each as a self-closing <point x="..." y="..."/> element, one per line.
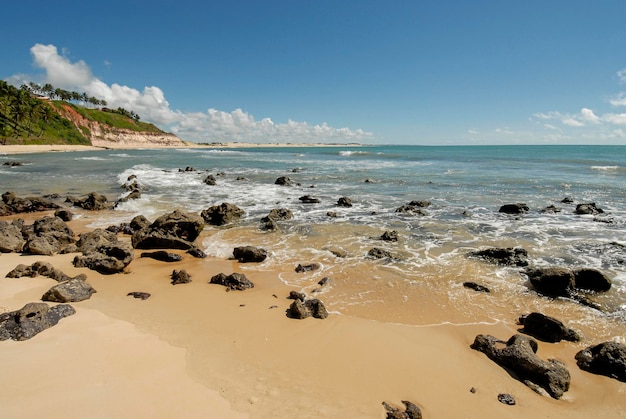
<point x="194" y="350"/>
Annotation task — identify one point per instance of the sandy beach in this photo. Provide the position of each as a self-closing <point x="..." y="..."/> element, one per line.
<point x="194" y="350"/>
<point x="46" y="148"/>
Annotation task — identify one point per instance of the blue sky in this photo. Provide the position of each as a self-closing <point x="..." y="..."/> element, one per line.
<point x="396" y="72"/>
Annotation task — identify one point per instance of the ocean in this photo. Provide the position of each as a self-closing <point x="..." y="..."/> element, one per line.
<point x="422" y="282"/>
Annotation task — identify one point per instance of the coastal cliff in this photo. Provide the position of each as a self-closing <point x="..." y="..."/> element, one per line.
<point x="106" y="134"/>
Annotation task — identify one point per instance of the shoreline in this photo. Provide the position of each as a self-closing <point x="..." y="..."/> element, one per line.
<point x="49" y="148"/>
<point x="236" y="354"/>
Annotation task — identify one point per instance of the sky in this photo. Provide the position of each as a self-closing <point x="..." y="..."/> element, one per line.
<point x="374" y="72"/>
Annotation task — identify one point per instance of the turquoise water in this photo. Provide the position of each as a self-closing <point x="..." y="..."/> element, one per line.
<point x="466" y="186"/>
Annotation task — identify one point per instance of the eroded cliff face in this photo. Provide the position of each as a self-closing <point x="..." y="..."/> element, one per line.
<point x="102" y="135"/>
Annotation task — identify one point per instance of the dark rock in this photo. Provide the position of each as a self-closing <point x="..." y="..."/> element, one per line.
<point x="139" y="222"/>
<point x="390" y="236"/>
<point x="15" y="205"/>
<point x="592" y="280"/>
<point x="547" y="329"/>
<point x="69" y="291"/>
<point x="378" y="253"/>
<point x="12" y="163"/>
<point x="139" y="294"/>
<point x="295" y="295"/>
<point x="222" y="214"/>
<point x="89" y="241"/>
<point x="176" y="230"/>
<point x="316" y="308"/>
<point x="93" y="202"/>
<point x="180" y="277"/>
<point x="275" y="215"/>
<point x="414" y="207"/>
<point x="297" y="310"/>
<point x="43" y="269"/>
<point x="411" y="411"/>
<point x="210" y="180"/>
<point x="551" y="209"/>
<point x="590" y="208"/>
<point x="344" y="201"/>
<point x="234" y="281"/>
<point x="323" y="281"/>
<point x="283" y="181"/>
<point x="31" y="319"/>
<point x="567" y="200"/>
<point x="505" y="398"/>
<point x="64" y="214"/>
<point x="188" y="169"/>
<point x="107" y="258"/>
<point x="514" y="209"/>
<point x="134" y="194"/>
<point x="476" y="287"/>
<point x="552" y="282"/>
<point x="11" y="239"/>
<point x="510" y="256"/>
<point x="245" y="254"/>
<point x="308" y="267"/>
<point x="196" y="252"/>
<point x="308" y="199"/>
<point x="162" y="256"/>
<point x="607" y="358"/>
<point x="519" y="357"/>
<point x="331" y="214"/>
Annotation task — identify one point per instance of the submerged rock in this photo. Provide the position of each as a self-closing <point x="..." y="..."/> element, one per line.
<point x="514" y="209"/>
<point x="510" y="256"/>
<point x="476" y="287"/>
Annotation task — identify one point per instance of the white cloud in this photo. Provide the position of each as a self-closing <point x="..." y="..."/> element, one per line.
<point x="619" y="99"/>
<point x="613" y="118"/>
<point x="152" y="106"/>
<point x="622" y="75"/>
<point x="588" y="115"/>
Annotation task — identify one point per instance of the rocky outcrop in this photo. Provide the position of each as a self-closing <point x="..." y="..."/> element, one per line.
<point x="607" y="358"/>
<point x="31" y="319"/>
<point x="11" y="239"/>
<point x="107" y="258"/>
<point x="564" y="282"/>
<point x="411" y="411"/>
<point x="163" y="256"/>
<point x="510" y="256"/>
<point x="69" y="291"/>
<point x="588" y="209"/>
<point x="547" y="329"/>
<point x="93" y="202"/>
<point x="234" y="281"/>
<point x="270" y="221"/>
<point x="222" y="214"/>
<point x="344" y="201"/>
<point x="514" y="209"/>
<point x="518" y="355"/>
<point x="12" y="204"/>
<point x="47" y="236"/>
<point x="389" y="236"/>
<point x="180" y="277"/>
<point x="245" y="254"/>
<point x="176" y="230"/>
<point x="43" y="269"/>
<point x="310" y="308"/>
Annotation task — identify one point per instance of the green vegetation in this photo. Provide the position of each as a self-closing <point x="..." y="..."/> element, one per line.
<point x="29" y="116"/>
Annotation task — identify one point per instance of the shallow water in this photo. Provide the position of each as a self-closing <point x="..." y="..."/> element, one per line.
<point x="423" y="280"/>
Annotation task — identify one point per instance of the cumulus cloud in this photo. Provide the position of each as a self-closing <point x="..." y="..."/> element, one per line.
<point x="584" y="118"/>
<point x="622" y="75"/>
<point x="619" y="99"/>
<point x="151" y="104"/>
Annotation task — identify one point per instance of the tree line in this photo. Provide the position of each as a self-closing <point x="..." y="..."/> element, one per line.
<point x="23" y="112"/>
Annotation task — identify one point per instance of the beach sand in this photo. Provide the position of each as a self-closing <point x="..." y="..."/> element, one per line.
<point x="46" y="148"/>
<point x="195" y="350"/>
